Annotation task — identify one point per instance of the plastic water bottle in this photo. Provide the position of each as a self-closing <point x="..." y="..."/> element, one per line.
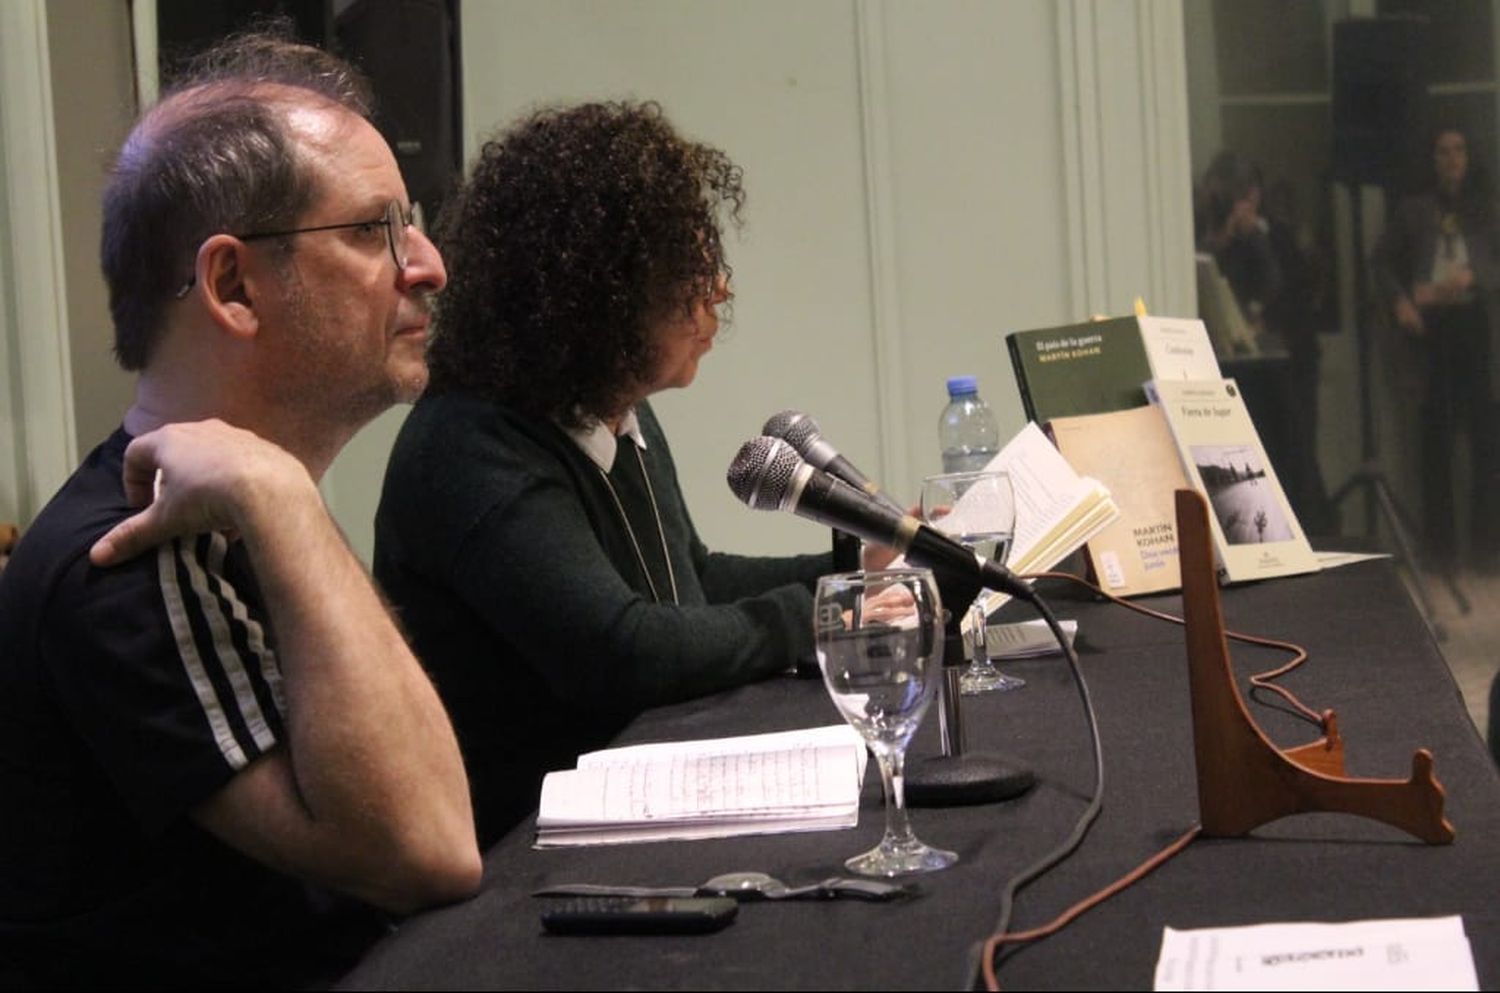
<point x="969" y="433"/>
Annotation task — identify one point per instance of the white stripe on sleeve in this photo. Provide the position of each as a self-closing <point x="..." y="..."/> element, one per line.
<point x="223" y="645"/>
<point x="187" y="650"/>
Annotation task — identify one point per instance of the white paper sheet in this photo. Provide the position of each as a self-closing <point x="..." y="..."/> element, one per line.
<point x="1395" y="954"/>
<point x="1027" y="639"/>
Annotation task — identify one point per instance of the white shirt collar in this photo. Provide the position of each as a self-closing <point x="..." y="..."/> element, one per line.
<point x="600" y="445"/>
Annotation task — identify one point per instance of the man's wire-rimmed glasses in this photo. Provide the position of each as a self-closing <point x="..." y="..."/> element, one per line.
<point x="396" y="221"/>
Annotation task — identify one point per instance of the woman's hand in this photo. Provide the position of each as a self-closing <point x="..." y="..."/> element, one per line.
<point x="874" y="556"/>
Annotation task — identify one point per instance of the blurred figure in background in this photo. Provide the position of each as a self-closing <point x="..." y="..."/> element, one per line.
<point x="1232" y="229"/>
<point x="1256" y="239"/>
<point x="1437" y="271"/>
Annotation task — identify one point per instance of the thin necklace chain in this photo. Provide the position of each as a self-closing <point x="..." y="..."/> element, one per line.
<point x="661" y="532"/>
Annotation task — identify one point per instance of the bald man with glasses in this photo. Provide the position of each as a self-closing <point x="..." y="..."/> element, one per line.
<point x="219" y="759"/>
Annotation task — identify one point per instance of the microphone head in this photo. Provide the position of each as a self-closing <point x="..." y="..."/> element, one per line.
<point x="777" y="424"/>
<point x="804" y="435"/>
<point x="761" y="473"/>
<point x="798" y="429"/>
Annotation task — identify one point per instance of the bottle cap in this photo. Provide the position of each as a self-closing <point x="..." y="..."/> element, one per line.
<point x="963" y="386"/>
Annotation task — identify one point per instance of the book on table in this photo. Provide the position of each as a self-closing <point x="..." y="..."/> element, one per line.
<point x="1132" y="453"/>
<point x="803" y="780"/>
<point x="1057" y="510"/>
<point x="1256" y="534"/>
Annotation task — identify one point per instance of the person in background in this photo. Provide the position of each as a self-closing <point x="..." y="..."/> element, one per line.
<point x="1254" y="237"/>
<point x="222" y="764"/>
<point x="1438" y="269"/>
<point x="531" y="530"/>
<point x="1232" y="228"/>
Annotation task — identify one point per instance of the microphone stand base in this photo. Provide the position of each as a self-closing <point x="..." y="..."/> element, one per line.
<point x="965" y="780"/>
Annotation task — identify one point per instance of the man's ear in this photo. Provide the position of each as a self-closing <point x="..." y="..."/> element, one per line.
<point x="229" y="291"/>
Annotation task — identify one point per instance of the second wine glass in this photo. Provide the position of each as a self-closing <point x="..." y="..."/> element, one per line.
<point x="880" y="645"/>
<point x="978" y="509"/>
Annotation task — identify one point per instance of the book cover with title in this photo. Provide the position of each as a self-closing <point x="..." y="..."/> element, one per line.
<point x="1178" y="348"/>
<point x="1084" y="368"/>
<point x="1132" y="453"/>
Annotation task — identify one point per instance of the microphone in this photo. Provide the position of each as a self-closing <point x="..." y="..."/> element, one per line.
<point x="767" y="474"/>
<point x="802" y="433"/>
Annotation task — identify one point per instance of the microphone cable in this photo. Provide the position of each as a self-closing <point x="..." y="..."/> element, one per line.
<point x="1259" y="681"/>
<point x="989" y="955"/>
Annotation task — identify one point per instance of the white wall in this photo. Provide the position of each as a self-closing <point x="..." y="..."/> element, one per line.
<point x="36" y="398"/>
<point x="922" y="179"/>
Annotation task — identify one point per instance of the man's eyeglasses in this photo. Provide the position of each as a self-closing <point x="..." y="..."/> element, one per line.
<point x="396" y="222"/>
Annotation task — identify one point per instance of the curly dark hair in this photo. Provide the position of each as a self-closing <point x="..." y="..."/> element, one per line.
<point x="578" y="230"/>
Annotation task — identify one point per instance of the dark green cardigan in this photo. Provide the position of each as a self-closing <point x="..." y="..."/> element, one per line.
<point x="508" y="564"/>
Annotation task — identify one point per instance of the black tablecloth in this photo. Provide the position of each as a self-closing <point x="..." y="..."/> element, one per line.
<point x="1372" y="660"/>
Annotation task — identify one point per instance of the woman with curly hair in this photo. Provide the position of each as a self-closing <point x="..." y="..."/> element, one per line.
<point x="531" y="531"/>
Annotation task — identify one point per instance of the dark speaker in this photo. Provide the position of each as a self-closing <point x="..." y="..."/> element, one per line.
<point x="410" y="51"/>
<point x="408" y="48"/>
<point x="185" y="27"/>
<point x="1379" y="98"/>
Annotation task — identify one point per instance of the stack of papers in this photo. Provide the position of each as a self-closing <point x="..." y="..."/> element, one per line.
<point x="1027" y="639"/>
<point x="804" y="780"/>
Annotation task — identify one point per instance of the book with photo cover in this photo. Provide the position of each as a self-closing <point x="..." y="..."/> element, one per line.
<point x="1132" y="453"/>
<point x="1256" y="534"/>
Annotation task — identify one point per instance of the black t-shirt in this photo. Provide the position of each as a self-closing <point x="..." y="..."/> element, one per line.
<point x="128" y="696"/>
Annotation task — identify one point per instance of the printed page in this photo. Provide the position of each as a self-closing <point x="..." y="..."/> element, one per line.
<point x="1056" y="509"/>
<point x="1027" y="639"/>
<point x="1400" y="954"/>
<point x="726" y="788"/>
<point x="838" y="735"/>
<point x="1049" y="495"/>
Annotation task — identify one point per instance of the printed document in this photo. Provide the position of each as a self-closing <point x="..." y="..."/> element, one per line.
<point x="1401" y="954"/>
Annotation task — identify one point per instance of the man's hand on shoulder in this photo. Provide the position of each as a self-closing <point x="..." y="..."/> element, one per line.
<point x="193" y="478"/>
<point x="367" y="791"/>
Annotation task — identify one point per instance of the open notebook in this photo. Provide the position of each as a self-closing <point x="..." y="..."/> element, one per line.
<point x="803" y="780"/>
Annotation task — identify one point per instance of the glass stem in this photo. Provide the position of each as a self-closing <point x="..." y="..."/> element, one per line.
<point x="980" y="635"/>
<point x="892" y="774"/>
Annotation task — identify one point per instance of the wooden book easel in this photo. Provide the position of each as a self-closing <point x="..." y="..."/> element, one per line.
<point x="1244" y="780"/>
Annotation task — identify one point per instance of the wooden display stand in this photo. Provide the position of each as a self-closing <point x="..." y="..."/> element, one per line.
<point x="1244" y="780"/>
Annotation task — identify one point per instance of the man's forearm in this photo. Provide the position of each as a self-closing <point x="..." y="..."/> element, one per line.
<point x="371" y="751"/>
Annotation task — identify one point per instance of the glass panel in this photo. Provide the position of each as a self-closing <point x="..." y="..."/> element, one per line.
<point x="1271" y="46"/>
<point x="1428" y="436"/>
<point x="1460" y="39"/>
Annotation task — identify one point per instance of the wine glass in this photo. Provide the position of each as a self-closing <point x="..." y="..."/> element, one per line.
<point x="978" y="509"/>
<point x="879" y="639"/>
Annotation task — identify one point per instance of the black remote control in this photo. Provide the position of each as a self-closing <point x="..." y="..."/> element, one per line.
<point x="639" y="915"/>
